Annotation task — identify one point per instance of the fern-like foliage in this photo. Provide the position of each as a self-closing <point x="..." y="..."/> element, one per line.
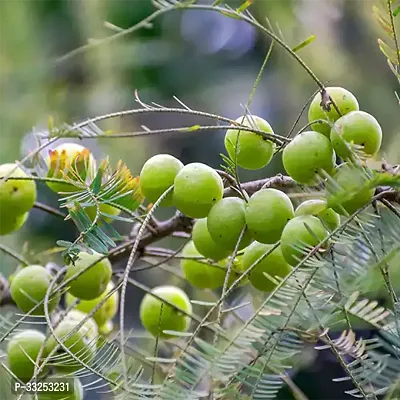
<point x="387" y="14"/>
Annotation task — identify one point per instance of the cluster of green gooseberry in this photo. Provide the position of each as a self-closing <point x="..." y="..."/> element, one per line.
<point x="30" y="284"/>
<point x="254" y="226"/>
<point x="28" y="290"/>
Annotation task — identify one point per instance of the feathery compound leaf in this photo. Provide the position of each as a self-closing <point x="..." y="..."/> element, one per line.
<point x="385" y="14"/>
<point x="90" y="233"/>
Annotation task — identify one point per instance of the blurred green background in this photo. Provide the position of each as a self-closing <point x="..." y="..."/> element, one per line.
<point x="207" y="60"/>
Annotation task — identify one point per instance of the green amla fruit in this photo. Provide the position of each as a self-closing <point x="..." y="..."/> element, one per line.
<point x="106" y="328"/>
<point x="204" y="242"/>
<point x="273" y="264"/>
<point x="307" y="155"/>
<point x="267" y="213"/>
<point x="225" y="222"/>
<point x="157" y="175"/>
<point x="81" y="342"/>
<point x="23" y="351"/>
<point x="106" y="312"/>
<point x="319" y="208"/>
<point x="348" y="190"/>
<point x="200" y="273"/>
<point x="157" y="316"/>
<point x="71" y="393"/>
<point x="204" y="275"/>
<point x="237" y="269"/>
<point x="16" y="196"/>
<point x="29" y="287"/>
<point x="93" y="282"/>
<point x="104" y="209"/>
<point x="345" y="101"/>
<point x="10" y="222"/>
<point x="253" y="151"/>
<point x="64" y="159"/>
<point x="300" y="235"/>
<point x="197" y="187"/>
<point x="356" y="128"/>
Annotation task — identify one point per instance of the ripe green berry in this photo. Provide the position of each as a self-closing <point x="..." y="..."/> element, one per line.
<point x="16" y="196"/>
<point x="253" y="151"/>
<point x="319" y="208"/>
<point x="345" y="101"/>
<point x="157" y="175"/>
<point x="106" y="328"/>
<point x="10" y="222"/>
<point x="205" y="244"/>
<point x="197" y="187"/>
<point x="300" y="235"/>
<point x="237" y="270"/>
<point x="106" y="312"/>
<point x="29" y="287"/>
<point x="307" y="155"/>
<point x="157" y="316"/>
<point x="274" y="265"/>
<point x="104" y="208"/>
<point x="91" y="283"/>
<point x="267" y="213"/>
<point x="81" y="342"/>
<point x="359" y="128"/>
<point x="199" y="273"/>
<point x="65" y="158"/>
<point x="23" y="351"/>
<point x="348" y="191"/>
<point x="72" y="394"/>
<point x="226" y="221"/>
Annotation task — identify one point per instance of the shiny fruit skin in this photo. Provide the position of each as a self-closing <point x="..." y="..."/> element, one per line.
<point x="157" y="316"/>
<point x="226" y="221"/>
<point x="274" y="265"/>
<point x="254" y="151"/>
<point x="77" y="393"/>
<point x="106" y="312"/>
<point x="348" y="179"/>
<point x="16" y="196"/>
<point x="199" y="273"/>
<point x="237" y="270"/>
<point x="357" y="127"/>
<point x="104" y="208"/>
<point x="204" y="242"/>
<point x="93" y="282"/>
<point x="157" y="175"/>
<point x="69" y="156"/>
<point x="197" y="187"/>
<point x="106" y="328"/>
<point x="319" y="208"/>
<point x="267" y="213"/>
<point x="29" y="284"/>
<point x="307" y="155"/>
<point x="22" y="349"/>
<point x="82" y="343"/>
<point x="345" y="101"/>
<point x="297" y="234"/>
<point x="10" y="222"/>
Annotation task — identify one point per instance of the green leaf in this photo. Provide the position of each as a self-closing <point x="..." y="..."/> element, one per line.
<point x="396" y="12"/>
<point x="389" y="53"/>
<point x="193" y="128"/>
<point x="305" y="43"/>
<point x="63" y="243"/>
<point x="244" y="6"/>
<point x="96" y="184"/>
